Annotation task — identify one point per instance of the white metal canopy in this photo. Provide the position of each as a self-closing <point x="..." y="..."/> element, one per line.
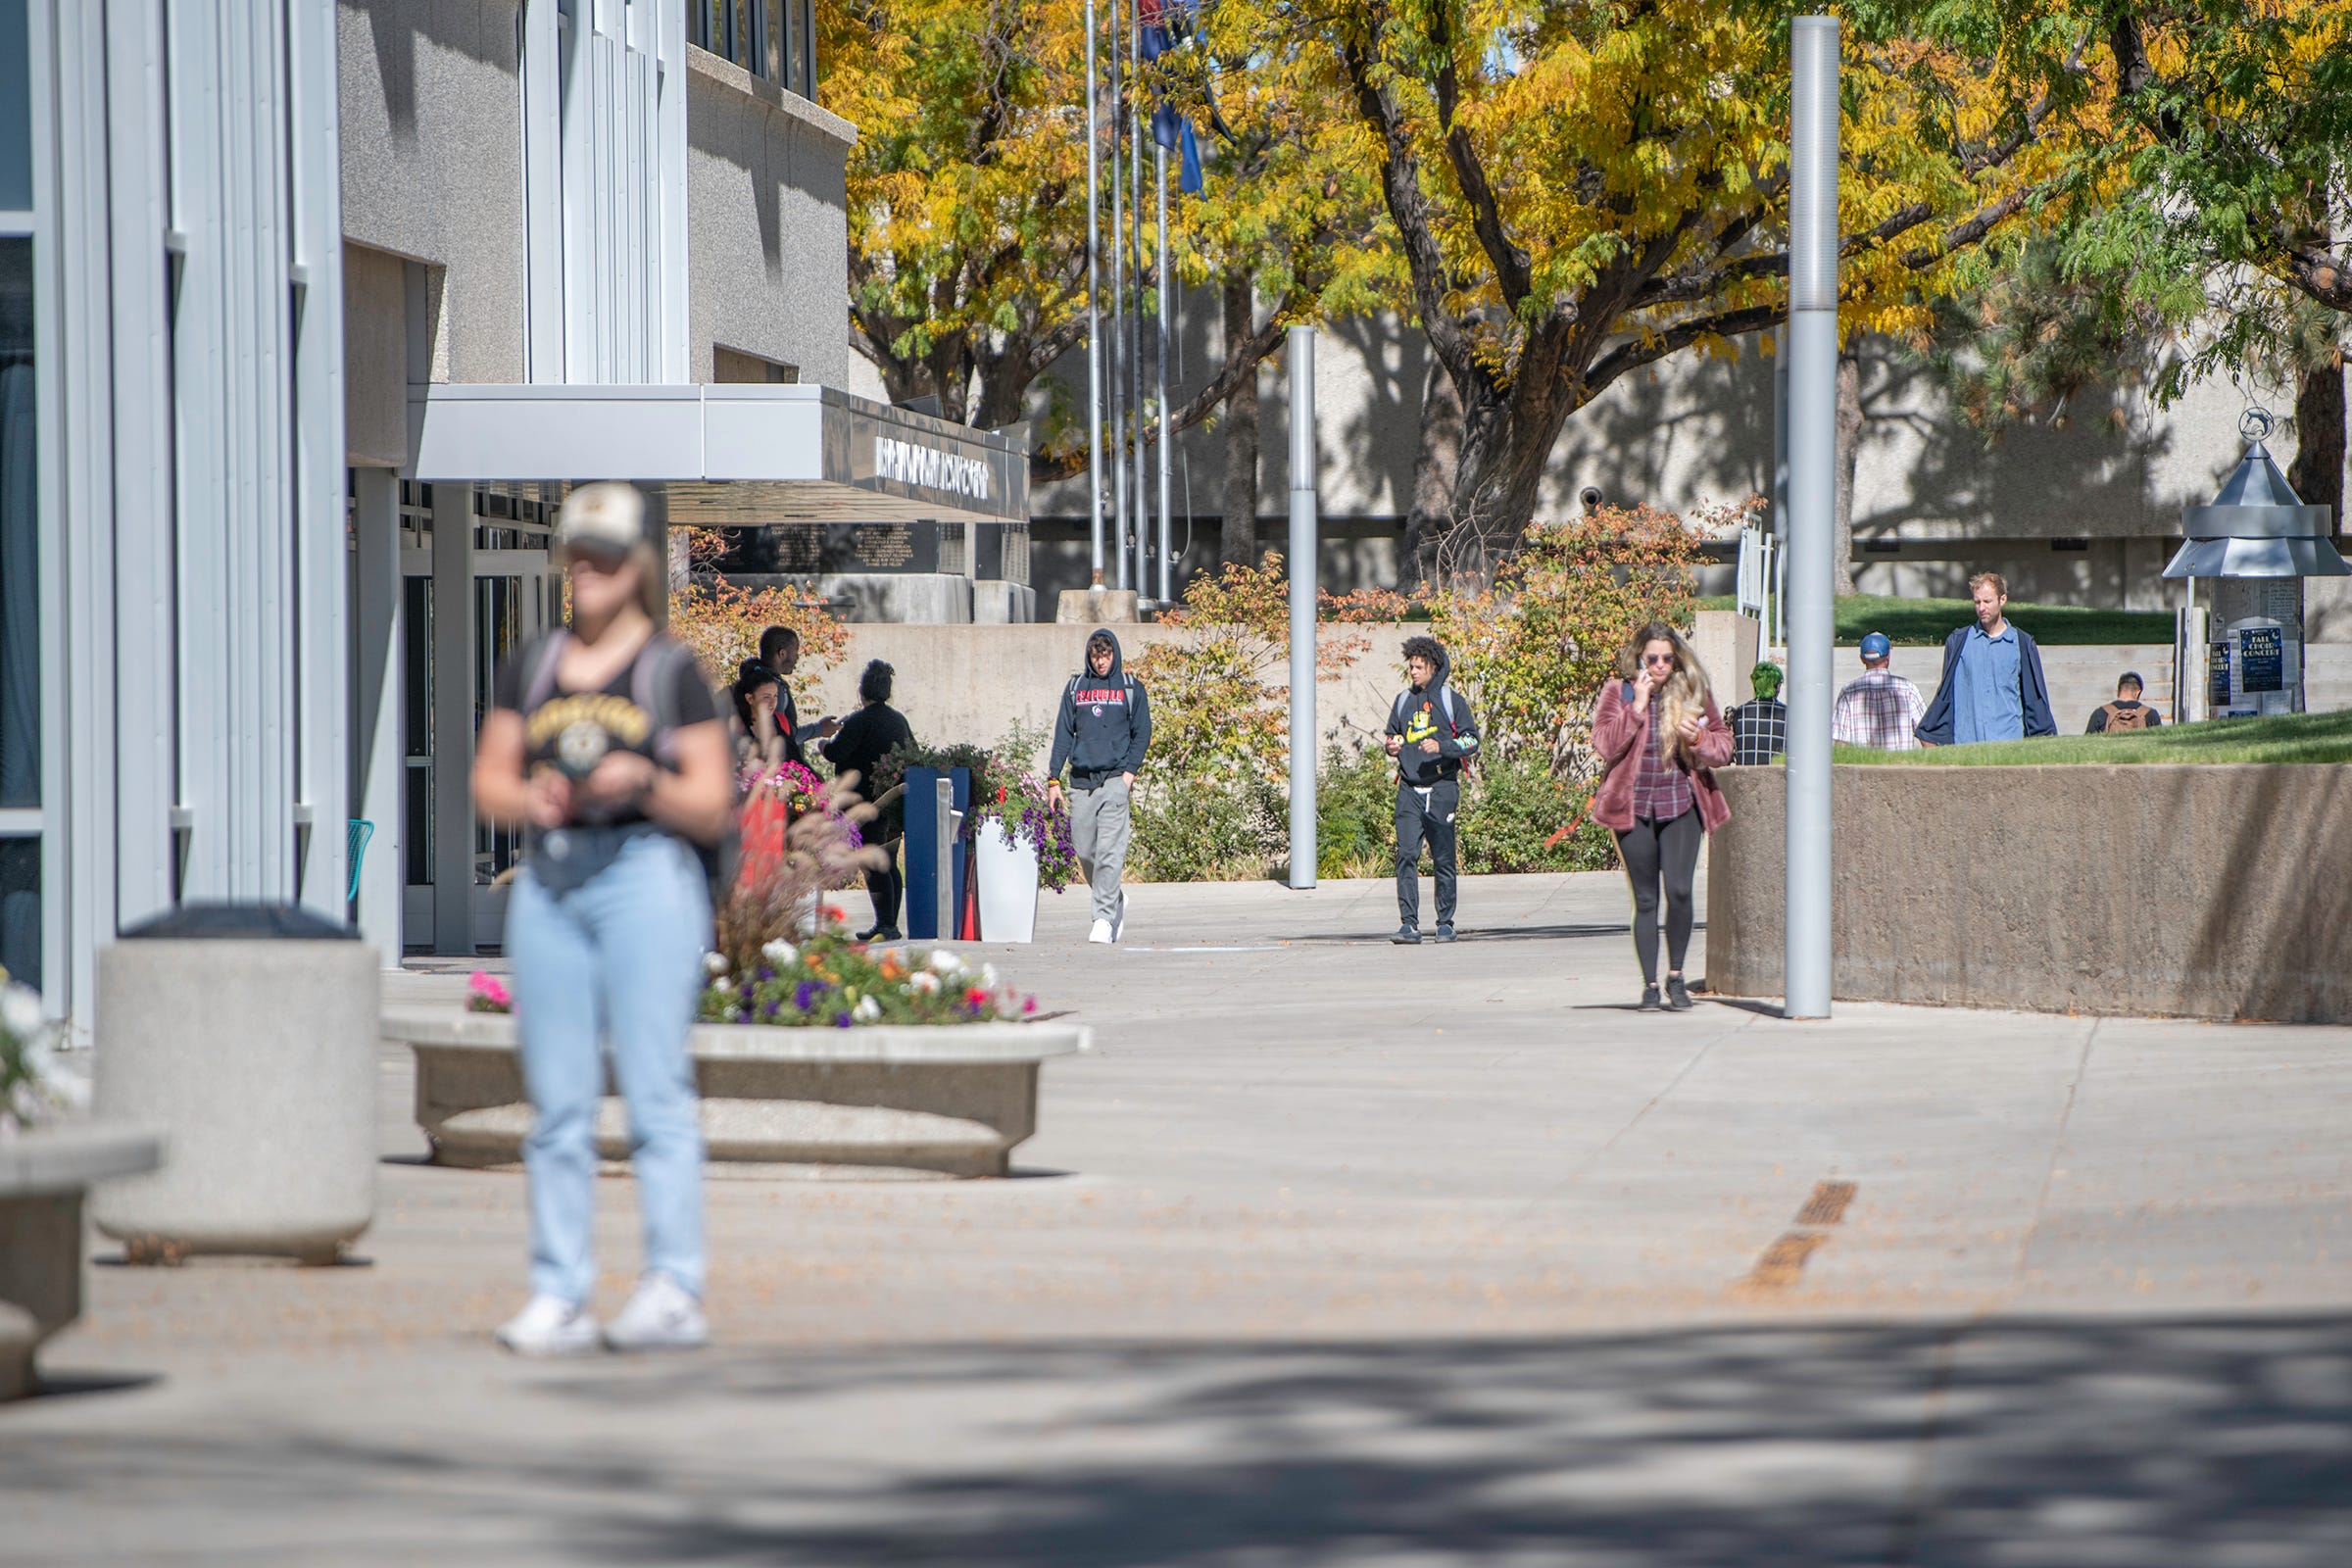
<point x="741" y="454"/>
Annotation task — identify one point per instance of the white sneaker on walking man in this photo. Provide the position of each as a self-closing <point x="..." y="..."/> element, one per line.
<point x="1100" y="734"/>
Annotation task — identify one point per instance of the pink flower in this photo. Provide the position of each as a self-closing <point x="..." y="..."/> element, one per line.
<point x="489" y="994"/>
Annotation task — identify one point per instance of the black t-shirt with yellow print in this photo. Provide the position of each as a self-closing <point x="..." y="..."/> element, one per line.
<point x="574" y="731"/>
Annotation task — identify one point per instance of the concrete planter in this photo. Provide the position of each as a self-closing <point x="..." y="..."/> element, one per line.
<point x="44" y="1175"/>
<point x="256" y="1060"/>
<point x="953" y="1100"/>
<point x="2190" y="891"/>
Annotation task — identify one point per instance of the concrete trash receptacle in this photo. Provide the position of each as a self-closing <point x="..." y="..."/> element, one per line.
<point x="247" y="1034"/>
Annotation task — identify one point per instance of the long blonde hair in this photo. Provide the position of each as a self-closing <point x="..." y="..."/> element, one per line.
<point x="1686" y="694"/>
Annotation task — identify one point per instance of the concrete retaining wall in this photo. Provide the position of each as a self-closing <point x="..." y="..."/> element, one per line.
<point x="2209" y="892"/>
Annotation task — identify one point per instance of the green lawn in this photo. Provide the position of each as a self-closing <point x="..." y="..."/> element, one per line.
<point x="1926" y="622"/>
<point x="2289" y="738"/>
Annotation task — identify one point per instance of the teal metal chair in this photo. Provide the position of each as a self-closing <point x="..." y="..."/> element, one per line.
<point x="356" y="852"/>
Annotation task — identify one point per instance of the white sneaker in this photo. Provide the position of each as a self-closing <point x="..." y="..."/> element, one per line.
<point x="1118" y="921"/>
<point x="1101" y="932"/>
<point x="549" y="1326"/>
<point x="660" y="1316"/>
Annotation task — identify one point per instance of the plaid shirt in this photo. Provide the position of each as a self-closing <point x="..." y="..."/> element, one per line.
<point x="1759" y="731"/>
<point x="1880" y="708"/>
<point x="1661" y="790"/>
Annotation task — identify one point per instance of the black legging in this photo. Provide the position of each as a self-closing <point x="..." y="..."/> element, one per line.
<point x="1667" y="851"/>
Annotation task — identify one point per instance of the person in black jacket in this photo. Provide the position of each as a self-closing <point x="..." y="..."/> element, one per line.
<point x="1102" y="732"/>
<point x="1431" y="732"/>
<point x="867" y="736"/>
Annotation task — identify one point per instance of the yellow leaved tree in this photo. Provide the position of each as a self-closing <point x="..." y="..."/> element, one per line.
<point x="1580" y="190"/>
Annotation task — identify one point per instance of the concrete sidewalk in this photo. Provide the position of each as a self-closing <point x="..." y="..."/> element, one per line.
<point x="1336" y="1252"/>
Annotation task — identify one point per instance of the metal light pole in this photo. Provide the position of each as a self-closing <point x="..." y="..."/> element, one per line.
<point x="1302" y="607"/>
<point x="1094" y="313"/>
<point x="1167" y="434"/>
<point x="1812" y="502"/>
<point x="1140" y="581"/>
<point x="1118" y="308"/>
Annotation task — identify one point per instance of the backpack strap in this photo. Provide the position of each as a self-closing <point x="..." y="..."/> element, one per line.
<point x="545" y="654"/>
<point x="652" y="686"/>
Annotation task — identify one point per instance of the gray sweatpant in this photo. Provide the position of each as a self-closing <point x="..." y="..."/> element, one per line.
<point x="1098" y="829"/>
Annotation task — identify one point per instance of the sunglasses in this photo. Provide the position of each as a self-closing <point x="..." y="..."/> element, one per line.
<point x="1657" y="659"/>
<point x="596" y="560"/>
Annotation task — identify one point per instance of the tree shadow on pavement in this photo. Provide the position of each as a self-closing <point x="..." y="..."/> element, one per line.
<point x="2043" y="1442"/>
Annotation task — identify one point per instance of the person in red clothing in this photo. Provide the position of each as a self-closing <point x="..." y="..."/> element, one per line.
<point x="1660" y="739"/>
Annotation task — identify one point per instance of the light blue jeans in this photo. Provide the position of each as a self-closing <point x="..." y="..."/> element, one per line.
<point x="615" y="959"/>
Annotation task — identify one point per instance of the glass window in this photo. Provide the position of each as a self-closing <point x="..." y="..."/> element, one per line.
<point x="15" y="109"/>
<point x="20" y="909"/>
<point x="20" y="544"/>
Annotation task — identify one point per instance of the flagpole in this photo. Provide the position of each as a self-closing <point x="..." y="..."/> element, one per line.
<point x="1135" y="241"/>
<point x="1094" y="314"/>
<point x="1118" y="313"/>
<point x="1166" y="435"/>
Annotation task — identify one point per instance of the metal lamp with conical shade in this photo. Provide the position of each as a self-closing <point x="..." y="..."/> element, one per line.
<point x="2257" y="526"/>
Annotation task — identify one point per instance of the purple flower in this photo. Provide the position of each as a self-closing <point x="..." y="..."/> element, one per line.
<point x="771" y="1009"/>
<point x="765" y="973"/>
<point x="841" y="1021"/>
<point x="803" y="994"/>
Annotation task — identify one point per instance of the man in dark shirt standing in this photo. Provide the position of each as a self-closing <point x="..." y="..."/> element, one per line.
<point x="781" y="651"/>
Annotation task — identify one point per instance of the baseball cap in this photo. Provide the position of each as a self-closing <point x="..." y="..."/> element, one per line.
<point x="1877" y="646"/>
<point x="606" y="519"/>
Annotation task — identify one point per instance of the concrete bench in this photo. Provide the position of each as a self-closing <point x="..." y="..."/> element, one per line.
<point x="44" y="1175"/>
<point x="953" y="1100"/>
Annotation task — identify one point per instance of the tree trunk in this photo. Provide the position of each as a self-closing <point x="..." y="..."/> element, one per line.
<point x="2318" y="471"/>
<point x="1850" y="452"/>
<point x="1435" y="467"/>
<point x="1238" y="542"/>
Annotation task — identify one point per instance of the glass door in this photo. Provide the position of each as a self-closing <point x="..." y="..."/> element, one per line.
<point x="516" y="595"/>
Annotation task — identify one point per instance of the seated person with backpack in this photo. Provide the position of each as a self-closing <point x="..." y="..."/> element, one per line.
<point x="2127" y="713"/>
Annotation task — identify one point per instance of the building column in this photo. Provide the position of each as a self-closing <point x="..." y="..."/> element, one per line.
<point x="453" y="719"/>
<point x="379" y="773"/>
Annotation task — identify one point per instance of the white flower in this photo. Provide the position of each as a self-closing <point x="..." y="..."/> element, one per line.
<point x="716" y="964"/>
<point x="867" y="1011"/>
<point x="924" y="982"/>
<point x="988" y="978"/>
<point x="21" y="1011"/>
<point x="780" y="953"/>
<point x="946" y="963"/>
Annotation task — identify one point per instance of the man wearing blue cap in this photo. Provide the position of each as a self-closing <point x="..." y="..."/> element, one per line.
<point x="1878" y="707"/>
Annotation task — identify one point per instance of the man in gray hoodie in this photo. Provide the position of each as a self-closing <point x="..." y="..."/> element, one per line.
<point x="1431" y="733"/>
<point x="1101" y="733"/>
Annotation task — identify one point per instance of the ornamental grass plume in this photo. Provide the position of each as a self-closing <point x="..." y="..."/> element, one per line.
<point x="777" y="897"/>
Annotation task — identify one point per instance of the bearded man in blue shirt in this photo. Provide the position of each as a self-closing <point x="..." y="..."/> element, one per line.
<point x="1992" y="687"/>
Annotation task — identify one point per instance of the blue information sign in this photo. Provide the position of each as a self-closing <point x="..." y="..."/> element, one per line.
<point x="2262" y="659"/>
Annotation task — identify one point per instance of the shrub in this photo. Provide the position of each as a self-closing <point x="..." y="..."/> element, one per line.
<point x="1512" y="807"/>
<point x="1212" y="804"/>
<point x="1532" y="652"/>
<point x="722" y="622"/>
<point x="1230" y="832"/>
<point x="1356" y="812"/>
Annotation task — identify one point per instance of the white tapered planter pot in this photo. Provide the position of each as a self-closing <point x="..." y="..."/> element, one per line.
<point x="1008" y="886"/>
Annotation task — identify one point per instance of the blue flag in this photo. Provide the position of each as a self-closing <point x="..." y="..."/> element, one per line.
<point x="1168" y="127"/>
